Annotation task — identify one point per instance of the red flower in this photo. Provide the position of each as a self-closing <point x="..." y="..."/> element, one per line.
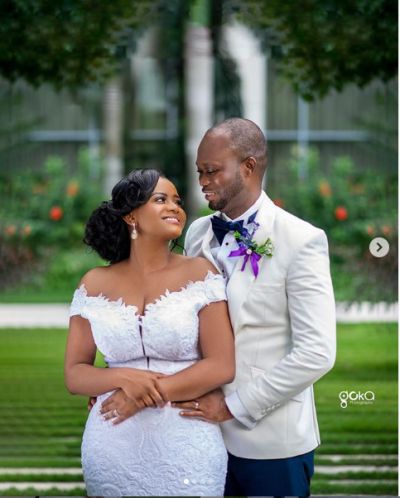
<point x="56" y="213"/>
<point x="341" y="213"/>
<point x="72" y="189"/>
<point x="10" y="230"/>
<point x="279" y="203"/>
<point x="26" y="230"/>
<point x="325" y="189"/>
<point x="39" y="188"/>
<point x="370" y="230"/>
<point x="357" y="188"/>
<point x="386" y="229"/>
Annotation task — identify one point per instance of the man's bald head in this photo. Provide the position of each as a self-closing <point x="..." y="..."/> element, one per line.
<point x="246" y="139"/>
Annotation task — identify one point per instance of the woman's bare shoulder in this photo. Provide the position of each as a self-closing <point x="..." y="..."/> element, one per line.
<point x="95" y="280"/>
<point x="196" y="268"/>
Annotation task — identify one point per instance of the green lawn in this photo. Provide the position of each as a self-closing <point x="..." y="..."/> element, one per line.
<point x="366" y="361"/>
<point x="41" y="424"/>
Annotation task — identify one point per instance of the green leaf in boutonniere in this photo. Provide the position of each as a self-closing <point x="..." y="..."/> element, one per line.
<point x="251" y="250"/>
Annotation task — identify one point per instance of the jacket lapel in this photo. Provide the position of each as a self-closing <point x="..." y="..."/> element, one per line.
<point x="205" y="246"/>
<point x="238" y="288"/>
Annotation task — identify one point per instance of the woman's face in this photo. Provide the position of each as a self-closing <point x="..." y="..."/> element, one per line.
<point x="162" y="215"/>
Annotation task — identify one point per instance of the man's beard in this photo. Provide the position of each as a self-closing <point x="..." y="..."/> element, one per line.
<point x="227" y="194"/>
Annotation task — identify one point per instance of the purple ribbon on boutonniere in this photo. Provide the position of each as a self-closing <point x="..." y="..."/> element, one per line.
<point x="248" y="254"/>
<point x="249" y="248"/>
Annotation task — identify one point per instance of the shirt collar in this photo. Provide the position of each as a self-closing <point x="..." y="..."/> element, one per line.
<point x="246" y="215"/>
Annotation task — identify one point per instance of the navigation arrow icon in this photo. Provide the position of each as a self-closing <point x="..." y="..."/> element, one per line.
<point x="379" y="247"/>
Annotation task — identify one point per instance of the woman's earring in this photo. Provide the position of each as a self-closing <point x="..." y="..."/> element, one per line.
<point x="134" y="233"/>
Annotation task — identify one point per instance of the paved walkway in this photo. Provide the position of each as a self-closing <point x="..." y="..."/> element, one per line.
<point x="34" y="315"/>
<point x="367" y="312"/>
<point x="56" y="315"/>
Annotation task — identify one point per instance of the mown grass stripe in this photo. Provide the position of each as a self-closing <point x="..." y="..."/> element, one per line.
<point x="43" y="451"/>
<point x="46" y="489"/>
<point x="44" y="431"/>
<point x="40" y="462"/>
<point x="355" y="438"/>
<point x="41" y="478"/>
<point x="349" y="487"/>
<point x="357" y="450"/>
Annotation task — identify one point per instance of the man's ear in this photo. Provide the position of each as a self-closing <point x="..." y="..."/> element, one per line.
<point x="250" y="164"/>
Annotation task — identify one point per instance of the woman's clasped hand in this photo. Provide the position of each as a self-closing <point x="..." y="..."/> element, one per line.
<point x="140" y="390"/>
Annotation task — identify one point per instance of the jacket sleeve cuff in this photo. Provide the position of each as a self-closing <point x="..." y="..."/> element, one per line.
<point x="239" y="411"/>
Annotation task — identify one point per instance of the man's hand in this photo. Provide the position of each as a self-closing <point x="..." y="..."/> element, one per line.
<point x="91" y="402"/>
<point x="119" y="407"/>
<point x="210" y="407"/>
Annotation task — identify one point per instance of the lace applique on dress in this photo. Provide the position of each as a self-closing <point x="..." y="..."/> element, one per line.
<point x="167" y="330"/>
<point x="78" y="301"/>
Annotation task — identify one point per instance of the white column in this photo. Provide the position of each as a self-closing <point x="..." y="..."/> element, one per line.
<point x="244" y="48"/>
<point x="303" y="136"/>
<point x="113" y="133"/>
<point x="198" y="103"/>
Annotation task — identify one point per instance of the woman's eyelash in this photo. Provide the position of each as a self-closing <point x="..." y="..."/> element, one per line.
<point x="178" y="201"/>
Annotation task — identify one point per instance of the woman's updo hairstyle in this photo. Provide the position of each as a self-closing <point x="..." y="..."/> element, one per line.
<point x="106" y="232"/>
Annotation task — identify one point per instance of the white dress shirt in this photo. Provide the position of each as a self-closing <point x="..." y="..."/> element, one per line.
<point x="221" y="252"/>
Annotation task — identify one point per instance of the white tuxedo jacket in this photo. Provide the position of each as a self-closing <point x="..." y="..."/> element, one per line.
<point x="285" y="334"/>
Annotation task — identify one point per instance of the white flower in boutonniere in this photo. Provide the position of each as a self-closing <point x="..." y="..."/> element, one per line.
<point x="251" y="250"/>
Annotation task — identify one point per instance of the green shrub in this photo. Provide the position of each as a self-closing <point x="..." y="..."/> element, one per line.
<point x="41" y="211"/>
<point x="350" y="204"/>
<point x="353" y="206"/>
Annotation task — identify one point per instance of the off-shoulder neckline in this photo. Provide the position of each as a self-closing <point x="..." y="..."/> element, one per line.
<point x="161" y="298"/>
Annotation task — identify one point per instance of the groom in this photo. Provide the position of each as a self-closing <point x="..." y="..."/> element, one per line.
<point x="282" y="310"/>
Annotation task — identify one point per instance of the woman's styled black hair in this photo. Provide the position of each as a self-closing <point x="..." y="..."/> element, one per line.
<point x="106" y="232"/>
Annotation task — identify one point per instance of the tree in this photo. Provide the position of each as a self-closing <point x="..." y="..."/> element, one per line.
<point x="67" y="42"/>
<point x="321" y="44"/>
<point x="324" y="44"/>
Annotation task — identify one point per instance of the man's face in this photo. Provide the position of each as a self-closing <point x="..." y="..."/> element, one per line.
<point x="220" y="174"/>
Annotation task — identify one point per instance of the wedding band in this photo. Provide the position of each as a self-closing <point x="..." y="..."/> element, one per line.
<point x="115" y="413"/>
<point x="196" y="405"/>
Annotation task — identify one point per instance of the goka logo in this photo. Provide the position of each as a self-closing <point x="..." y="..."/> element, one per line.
<point x="356" y="398"/>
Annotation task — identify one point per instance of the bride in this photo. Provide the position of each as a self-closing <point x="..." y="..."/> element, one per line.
<point x="161" y="322"/>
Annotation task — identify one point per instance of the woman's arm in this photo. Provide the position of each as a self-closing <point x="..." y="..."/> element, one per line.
<point x="82" y="377"/>
<point x="217" y="365"/>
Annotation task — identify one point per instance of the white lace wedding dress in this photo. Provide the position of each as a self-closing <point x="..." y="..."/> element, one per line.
<point x="155" y="452"/>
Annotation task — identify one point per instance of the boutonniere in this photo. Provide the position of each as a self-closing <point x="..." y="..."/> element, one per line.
<point x="250" y="249"/>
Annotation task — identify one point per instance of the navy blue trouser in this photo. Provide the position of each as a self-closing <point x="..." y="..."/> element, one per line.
<point x="276" y="477"/>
